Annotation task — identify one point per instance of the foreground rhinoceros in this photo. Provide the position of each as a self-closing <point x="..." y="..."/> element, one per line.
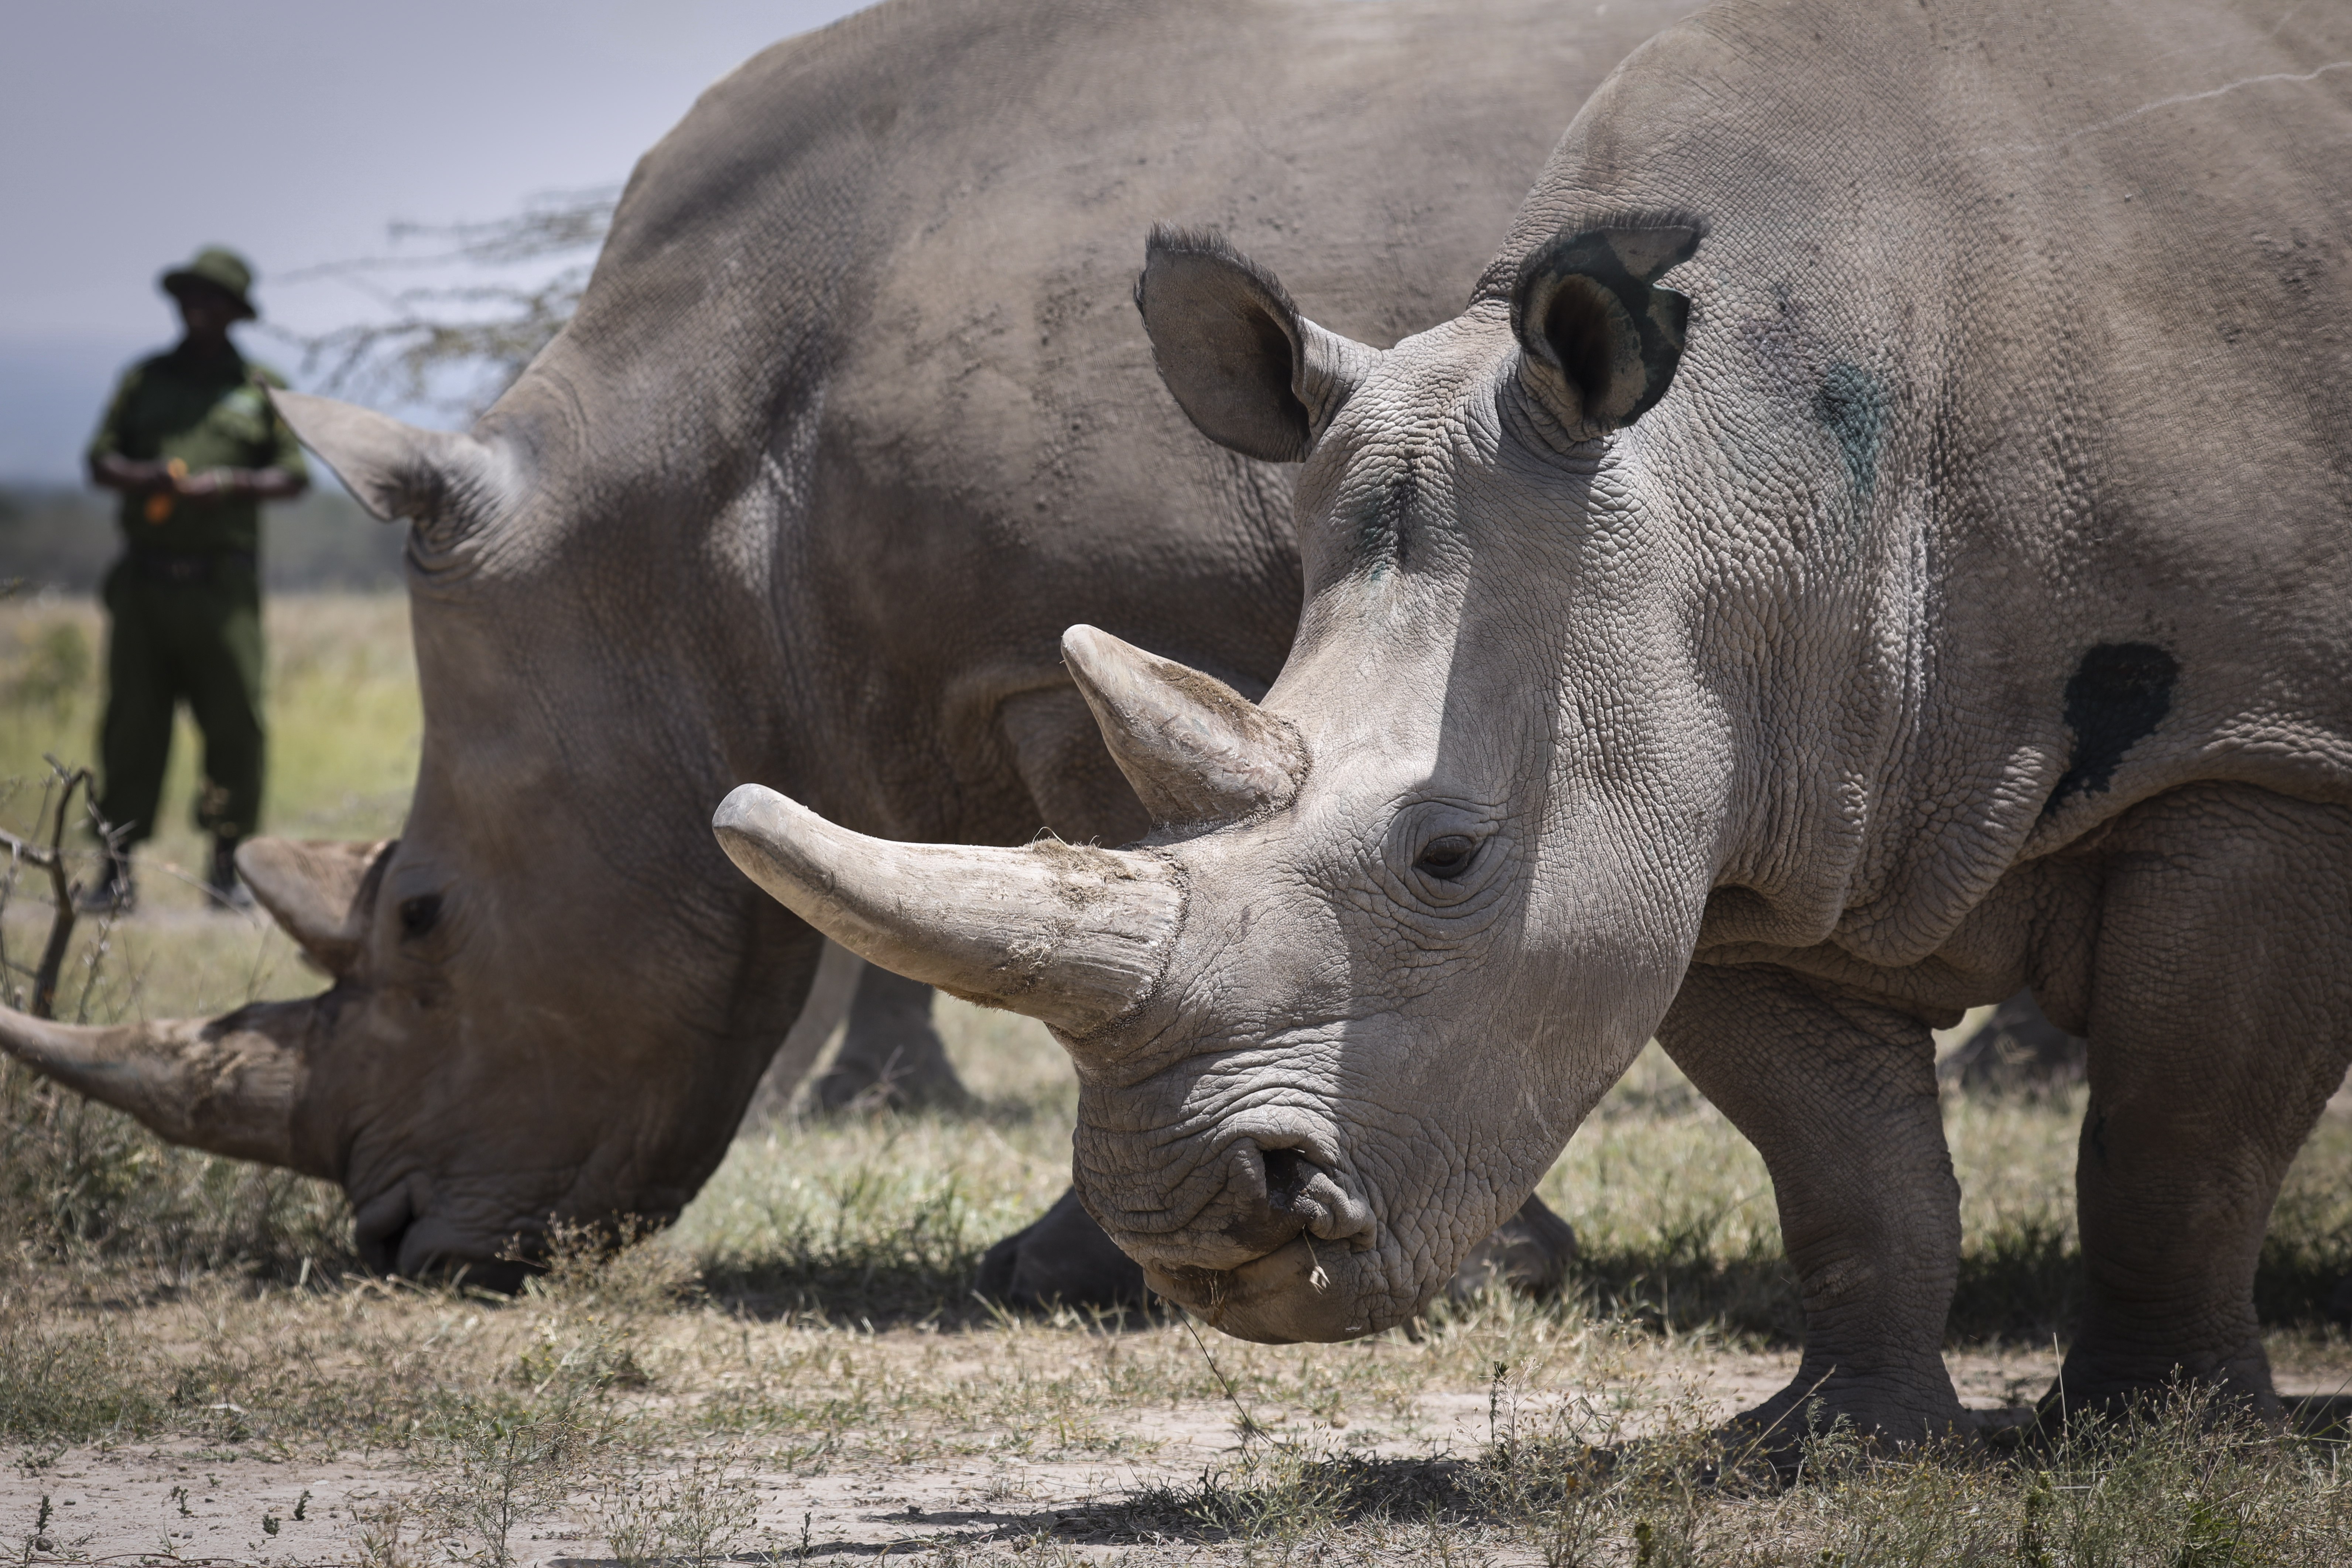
<point x="1881" y="535"/>
<point x="853" y="420"/>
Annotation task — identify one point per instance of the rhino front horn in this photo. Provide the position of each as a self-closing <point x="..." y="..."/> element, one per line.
<point x="1063" y="933"/>
<point x="228" y="1087"/>
<point x="1194" y="749"/>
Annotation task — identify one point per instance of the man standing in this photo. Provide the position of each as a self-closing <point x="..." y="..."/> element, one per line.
<point x="194" y="446"/>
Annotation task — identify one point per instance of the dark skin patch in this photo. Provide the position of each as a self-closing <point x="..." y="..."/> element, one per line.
<point x="1852" y="407"/>
<point x="1383" y="528"/>
<point x="2117" y="695"/>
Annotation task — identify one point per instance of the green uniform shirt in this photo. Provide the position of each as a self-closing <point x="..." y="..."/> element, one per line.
<point x="209" y="414"/>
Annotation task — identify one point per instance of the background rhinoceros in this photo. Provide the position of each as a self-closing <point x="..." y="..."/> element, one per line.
<point x="853" y="419"/>
<point x="1877" y="538"/>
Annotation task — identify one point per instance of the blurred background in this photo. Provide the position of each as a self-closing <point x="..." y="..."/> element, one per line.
<point x="421" y="188"/>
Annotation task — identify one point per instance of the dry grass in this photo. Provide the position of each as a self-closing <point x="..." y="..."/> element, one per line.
<point x="184" y="1358"/>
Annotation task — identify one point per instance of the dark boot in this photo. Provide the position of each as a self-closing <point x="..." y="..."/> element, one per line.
<point x="113" y="893"/>
<point x="228" y="892"/>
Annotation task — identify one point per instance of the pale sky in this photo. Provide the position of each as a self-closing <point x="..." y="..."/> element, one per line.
<point x="132" y="131"/>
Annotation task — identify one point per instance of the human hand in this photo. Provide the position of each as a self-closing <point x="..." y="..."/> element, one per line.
<point x="211" y="482"/>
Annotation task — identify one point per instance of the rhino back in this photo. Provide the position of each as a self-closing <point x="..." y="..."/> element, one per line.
<point x="859" y="361"/>
<point x="2038" y="313"/>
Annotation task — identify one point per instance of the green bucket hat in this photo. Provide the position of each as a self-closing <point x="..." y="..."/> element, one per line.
<point x="220" y="267"/>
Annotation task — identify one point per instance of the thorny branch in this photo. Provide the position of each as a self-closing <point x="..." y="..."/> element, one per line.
<point x="57" y="805"/>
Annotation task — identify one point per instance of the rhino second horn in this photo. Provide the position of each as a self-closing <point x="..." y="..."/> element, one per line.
<point x="228" y="1087"/>
<point x="1193" y="748"/>
<point x="321" y="892"/>
<point x="1067" y="934"/>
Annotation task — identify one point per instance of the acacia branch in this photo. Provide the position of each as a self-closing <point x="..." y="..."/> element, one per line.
<point x="481" y="332"/>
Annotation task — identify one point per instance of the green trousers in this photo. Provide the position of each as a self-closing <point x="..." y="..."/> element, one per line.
<point x="195" y="641"/>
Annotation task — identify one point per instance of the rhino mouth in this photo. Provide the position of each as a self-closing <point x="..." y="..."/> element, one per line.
<point x="1257" y="1193"/>
<point x="1294" y="1294"/>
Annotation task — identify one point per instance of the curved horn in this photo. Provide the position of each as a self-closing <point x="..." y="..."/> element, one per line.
<point x="1194" y="749"/>
<point x="228" y="1085"/>
<point x="1063" y="933"/>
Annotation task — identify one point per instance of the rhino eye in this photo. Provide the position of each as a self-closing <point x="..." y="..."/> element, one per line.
<point x="1447" y="858"/>
<point x="419" y="915"/>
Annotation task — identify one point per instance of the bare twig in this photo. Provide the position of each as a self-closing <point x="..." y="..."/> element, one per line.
<point x="491" y="329"/>
<point x="53" y="859"/>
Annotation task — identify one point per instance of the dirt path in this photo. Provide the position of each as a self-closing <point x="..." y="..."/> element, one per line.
<point x="199" y="1503"/>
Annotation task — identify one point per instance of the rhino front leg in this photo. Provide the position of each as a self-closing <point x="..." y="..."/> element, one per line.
<point x="1839" y="1099"/>
<point x="2219" y="1021"/>
<point x="891" y="1055"/>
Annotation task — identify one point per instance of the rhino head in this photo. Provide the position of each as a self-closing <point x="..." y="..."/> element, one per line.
<point x="1406" y="922"/>
<point x="515" y="1030"/>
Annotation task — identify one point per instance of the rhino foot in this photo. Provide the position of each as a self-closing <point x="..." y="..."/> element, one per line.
<point x="1066" y="1258"/>
<point x="1063" y="1258"/>
<point x="1882" y="1413"/>
<point x="1530" y="1252"/>
<point x="891" y="1058"/>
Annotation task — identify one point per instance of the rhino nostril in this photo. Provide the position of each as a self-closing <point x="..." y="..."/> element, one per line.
<point x="1304" y="1191"/>
<point x="1287" y="1173"/>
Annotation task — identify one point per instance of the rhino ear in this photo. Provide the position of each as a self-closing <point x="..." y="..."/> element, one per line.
<point x="1598" y="340"/>
<point x="322" y="893"/>
<point x="396" y="470"/>
<point x="1247" y="369"/>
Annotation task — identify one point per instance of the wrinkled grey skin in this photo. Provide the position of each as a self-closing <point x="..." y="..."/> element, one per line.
<point x="1972" y="613"/>
<point x="853" y="420"/>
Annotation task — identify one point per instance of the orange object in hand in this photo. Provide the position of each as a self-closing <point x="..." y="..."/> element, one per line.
<point x="159" y="505"/>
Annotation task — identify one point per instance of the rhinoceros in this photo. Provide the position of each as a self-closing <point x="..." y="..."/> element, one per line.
<point x="1879" y="537"/>
<point x="852" y="421"/>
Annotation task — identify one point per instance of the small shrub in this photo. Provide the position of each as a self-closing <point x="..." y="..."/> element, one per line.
<point x="691" y="1512"/>
<point x="498" y="1465"/>
<point x="70" y="1383"/>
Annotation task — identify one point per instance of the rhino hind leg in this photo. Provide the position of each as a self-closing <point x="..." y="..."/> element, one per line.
<point x="2214" y="1047"/>
<point x="891" y="1056"/>
<point x="1066" y="1258"/>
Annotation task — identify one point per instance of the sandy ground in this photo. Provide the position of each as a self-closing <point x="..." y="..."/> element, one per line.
<point x="196" y="1503"/>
